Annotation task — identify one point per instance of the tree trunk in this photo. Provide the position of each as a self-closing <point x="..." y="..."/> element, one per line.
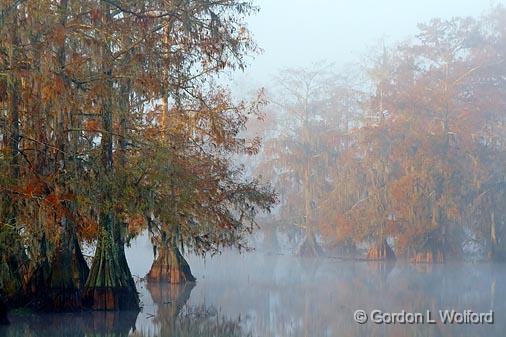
<point x="310" y="247"/>
<point x="60" y="290"/>
<point x="38" y="283"/>
<point x="433" y="250"/>
<point x="494" y="253"/>
<point x="69" y="272"/>
<point x="271" y="242"/>
<point x="4" y="320"/>
<point x="11" y="260"/>
<point x="381" y="251"/>
<point x="429" y="256"/>
<point x="170" y="266"/>
<point x="110" y="285"/>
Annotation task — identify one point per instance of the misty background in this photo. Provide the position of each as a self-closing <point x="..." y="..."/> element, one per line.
<point x="298" y="33"/>
<point x="272" y="293"/>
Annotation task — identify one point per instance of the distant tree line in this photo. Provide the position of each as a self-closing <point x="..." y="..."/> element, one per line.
<point x="406" y="156"/>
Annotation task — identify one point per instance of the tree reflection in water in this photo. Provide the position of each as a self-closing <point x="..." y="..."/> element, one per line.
<point x="86" y="324"/>
<point x="174" y="318"/>
<point x="267" y="296"/>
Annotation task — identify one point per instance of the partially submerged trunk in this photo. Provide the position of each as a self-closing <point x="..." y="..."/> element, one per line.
<point x="4" y="320"/>
<point x="271" y="242"/>
<point x="495" y="253"/>
<point x="37" y="286"/>
<point x="432" y="250"/>
<point x="57" y="286"/>
<point x="381" y="251"/>
<point x="170" y="266"/>
<point x="345" y="249"/>
<point x="433" y="255"/>
<point x="110" y="285"/>
<point x="69" y="272"/>
<point x="13" y="268"/>
<point x="310" y="247"/>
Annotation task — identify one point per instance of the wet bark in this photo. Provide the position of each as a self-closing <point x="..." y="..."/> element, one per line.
<point x="69" y="272"/>
<point x="110" y="285"/>
<point x="57" y="286"/>
<point x="381" y="251"/>
<point x="170" y="266"/>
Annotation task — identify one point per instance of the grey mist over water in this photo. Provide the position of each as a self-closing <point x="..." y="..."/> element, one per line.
<point x="261" y="294"/>
<point x="257" y="294"/>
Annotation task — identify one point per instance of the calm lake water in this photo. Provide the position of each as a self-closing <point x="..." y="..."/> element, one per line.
<point x="268" y="295"/>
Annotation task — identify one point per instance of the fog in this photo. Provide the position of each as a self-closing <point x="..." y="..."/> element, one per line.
<point x="256" y="294"/>
<point x="299" y="33"/>
<point x="377" y="179"/>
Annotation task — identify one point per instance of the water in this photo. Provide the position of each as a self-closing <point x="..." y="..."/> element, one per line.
<point x="267" y="295"/>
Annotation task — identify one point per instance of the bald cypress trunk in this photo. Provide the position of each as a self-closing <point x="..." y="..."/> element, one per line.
<point x="4" y="320"/>
<point x="13" y="258"/>
<point x="429" y="256"/>
<point x="495" y="252"/>
<point x="170" y="266"/>
<point x="431" y="252"/>
<point x="110" y="285"/>
<point x="310" y="247"/>
<point x="38" y="283"/>
<point x="381" y="251"/>
<point x="69" y="272"/>
<point x="60" y="290"/>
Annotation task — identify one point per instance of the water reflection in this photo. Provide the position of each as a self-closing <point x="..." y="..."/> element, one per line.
<point x="174" y="318"/>
<point x="89" y="324"/>
<point x="257" y="295"/>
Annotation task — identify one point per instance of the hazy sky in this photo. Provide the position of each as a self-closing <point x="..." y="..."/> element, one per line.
<point x="300" y="32"/>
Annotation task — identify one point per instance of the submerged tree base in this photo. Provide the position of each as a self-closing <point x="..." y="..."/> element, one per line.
<point x="4" y="320"/>
<point x="381" y="252"/>
<point x="170" y="266"/>
<point x="57" y="286"/>
<point x="110" y="285"/>
<point x="310" y="247"/>
<point x="429" y="256"/>
<point x="111" y="299"/>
